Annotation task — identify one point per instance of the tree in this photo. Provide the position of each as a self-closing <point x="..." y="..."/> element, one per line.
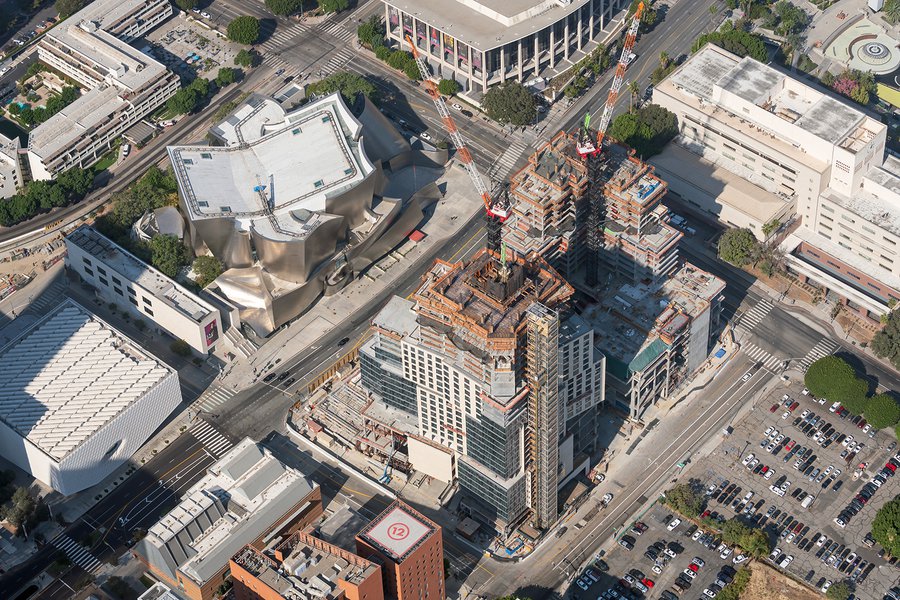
<point x="168" y="254"/>
<point x="119" y="588"/>
<point x="448" y="87"/>
<point x="206" y="268"/>
<point x="350" y="85"/>
<point x="886" y="343"/>
<point x="333" y="6"/>
<point x="634" y="91"/>
<point x="184" y="101"/>
<point x="751" y="540"/>
<point x="647" y="129"/>
<point x="180" y="347"/>
<point x="186" y="5"/>
<point x="771" y="227"/>
<point x="738" y="246"/>
<point x="246" y="58"/>
<point x="67" y="8"/>
<point x="882" y="411"/>
<point x="371" y="33"/>
<point x="833" y="378"/>
<point x="838" y="591"/>
<point x="243" y="30"/>
<point x="226" y="76"/>
<point x="891" y="11"/>
<point x="283" y="8"/>
<point x="736" y="41"/>
<point x="511" y="103"/>
<point x="685" y="500"/>
<point x="886" y="527"/>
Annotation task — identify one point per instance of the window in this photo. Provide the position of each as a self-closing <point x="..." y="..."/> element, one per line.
<point x="101" y="270"/>
<point x="103" y="280"/>
<point x="206" y="155"/>
<point x="131" y="291"/>
<point x="146" y="301"/>
<point x="133" y="301"/>
<point x="116" y="280"/>
<point x="119" y="291"/>
<point x="112" y="449"/>
<point x="85" y="261"/>
<point x="88" y="271"/>
<point x="148" y="311"/>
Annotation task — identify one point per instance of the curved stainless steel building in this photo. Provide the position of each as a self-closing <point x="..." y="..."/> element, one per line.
<point x="296" y="204"/>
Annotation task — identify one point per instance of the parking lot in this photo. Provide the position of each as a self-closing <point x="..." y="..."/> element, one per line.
<point x="791" y="466"/>
<point x="189" y="49"/>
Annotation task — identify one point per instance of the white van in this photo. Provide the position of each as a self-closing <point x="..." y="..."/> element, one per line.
<point x="807" y="501"/>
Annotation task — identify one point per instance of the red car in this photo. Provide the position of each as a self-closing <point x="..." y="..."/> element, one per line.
<point x="790" y="445"/>
<point x="793" y="406"/>
<point x="648" y="582"/>
<point x="764" y="470"/>
<point x="890" y="467"/>
<point x="693" y="567"/>
<point x="774" y="408"/>
<point x="861" y="424"/>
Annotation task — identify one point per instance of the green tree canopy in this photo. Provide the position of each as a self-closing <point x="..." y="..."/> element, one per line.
<point x="183" y="101"/>
<point x="371" y="33"/>
<point x="738" y="246"/>
<point x="448" y="87"/>
<point x="838" y="591"/>
<point x="333" y="6"/>
<point x="685" y="500"/>
<point x="67" y="8"/>
<point x="243" y="30"/>
<point x="246" y="58"/>
<point x="206" y="268"/>
<point x="186" y="5"/>
<point x="283" y="8"/>
<point x="882" y="411"/>
<point x="647" y="129"/>
<point x="168" y="254"/>
<point x="181" y="348"/>
<point x="736" y="41"/>
<point x="891" y="11"/>
<point x="886" y="527"/>
<point x="511" y="103"/>
<point x="350" y="85"/>
<point x="226" y="76"/>
<point x="833" y="378"/>
<point x="886" y="343"/>
<point x="751" y="540"/>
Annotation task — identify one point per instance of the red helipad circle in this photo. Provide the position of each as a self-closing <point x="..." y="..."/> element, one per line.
<point x="398" y="531"/>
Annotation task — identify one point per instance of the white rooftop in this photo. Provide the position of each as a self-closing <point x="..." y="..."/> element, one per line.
<point x="69" y="375"/>
<point x="135" y="270"/>
<point x="397" y="531"/>
<point x="878" y="201"/>
<point x="278" y="169"/>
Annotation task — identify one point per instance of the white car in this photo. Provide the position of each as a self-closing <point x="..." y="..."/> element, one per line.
<point x="739" y="558"/>
<point x="775" y="553"/>
<point x="675" y="523"/>
<point x="697" y="535"/>
<point x="424" y="135"/>
<point x="867" y="428"/>
<point x="804" y="414"/>
<point x="772" y="434"/>
<point x="747" y="496"/>
<point x="787" y="560"/>
<point x="805" y="392"/>
<point x="205" y="15"/>
<point x="607" y="498"/>
<point x="769" y="474"/>
<point x="826" y="585"/>
<point x="689" y="573"/>
<point x="747" y="376"/>
<point x="834" y="407"/>
<point x="768" y="430"/>
<point x="847" y="441"/>
<point x="780" y="438"/>
<point x="725" y="553"/>
<point x="785" y="414"/>
<point x="656" y="569"/>
<point x="747" y="459"/>
<point x="4" y="70"/>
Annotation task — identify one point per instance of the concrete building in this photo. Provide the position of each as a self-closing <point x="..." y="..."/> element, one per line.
<point x="78" y="398"/>
<point x="303" y="567"/>
<point x="296" y="204"/>
<point x="410" y="550"/>
<point x="757" y="146"/>
<point x="481" y="44"/>
<point x="123" y="85"/>
<point x="456" y="360"/>
<point x="655" y="335"/>
<point x="123" y="279"/>
<point x="247" y="497"/>
<point x="10" y="166"/>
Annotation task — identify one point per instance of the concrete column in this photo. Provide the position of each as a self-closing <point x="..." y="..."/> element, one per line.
<point x="387" y="20"/>
<point x="440" y="57"/>
<point x="470" y="69"/>
<point x="537" y="57"/>
<point x="591" y="19"/>
<point x="521" y="65"/>
<point x="484" y="77"/>
<point x="502" y="63"/>
<point x="580" y="29"/>
<point x="552" y="46"/>
<point x="566" y="41"/>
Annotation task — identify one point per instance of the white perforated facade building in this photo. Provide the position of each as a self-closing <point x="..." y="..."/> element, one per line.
<point x="78" y="398"/>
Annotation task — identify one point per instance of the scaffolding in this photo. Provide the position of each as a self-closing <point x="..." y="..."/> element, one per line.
<point x="542" y="431"/>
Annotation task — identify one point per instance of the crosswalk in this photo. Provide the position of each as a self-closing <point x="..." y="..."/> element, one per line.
<point x="77" y="553"/>
<point x="211" y="438"/>
<point x="341" y="58"/>
<point x="501" y="168"/>
<point x="214" y="397"/>
<point x="49" y="298"/>
<point x="283" y="37"/>
<point x="752" y="317"/>
<point x="820" y="350"/>
<point x="759" y="355"/>
<point x="339" y="31"/>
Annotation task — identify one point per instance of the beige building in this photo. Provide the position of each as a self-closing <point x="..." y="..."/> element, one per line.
<point x="10" y="166"/>
<point x="757" y="146"/>
<point x="124" y="85"/>
<point x="123" y="279"/>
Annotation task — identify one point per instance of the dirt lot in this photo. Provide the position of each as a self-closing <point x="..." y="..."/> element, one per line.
<point x="768" y="584"/>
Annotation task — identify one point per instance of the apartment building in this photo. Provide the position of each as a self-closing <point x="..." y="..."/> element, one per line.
<point x="462" y="360"/>
<point x="481" y="44"/>
<point x="123" y="279"/>
<point x="757" y="146"/>
<point x="10" y="166"/>
<point x="123" y="84"/>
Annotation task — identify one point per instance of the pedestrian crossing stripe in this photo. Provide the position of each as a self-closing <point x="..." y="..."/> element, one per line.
<point x="768" y="360"/>
<point x="214" y="397"/>
<point x="752" y="317"/>
<point x="507" y="160"/>
<point x="211" y="438"/>
<point x="824" y="348"/>
<point x="282" y="37"/>
<point x="77" y="553"/>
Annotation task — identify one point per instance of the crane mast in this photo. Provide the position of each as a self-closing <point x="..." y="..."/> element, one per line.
<point x="589" y="148"/>
<point x="497" y="208"/>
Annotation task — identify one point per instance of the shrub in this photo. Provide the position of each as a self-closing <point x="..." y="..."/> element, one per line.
<point x="181" y="348"/>
<point x="243" y="30"/>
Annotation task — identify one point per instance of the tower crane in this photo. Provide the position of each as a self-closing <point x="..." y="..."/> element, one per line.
<point x="497" y="208"/>
<point x="589" y="149"/>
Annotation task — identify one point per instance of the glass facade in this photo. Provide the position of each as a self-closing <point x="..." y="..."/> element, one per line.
<point x="508" y="503"/>
<point x="493" y="445"/>
<point x="393" y="389"/>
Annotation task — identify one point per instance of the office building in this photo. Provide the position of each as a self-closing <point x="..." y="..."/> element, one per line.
<point x="758" y="147"/>
<point x="247" y="497"/>
<point x="123" y="84"/>
<point x="480" y="44"/>
<point x="297" y="204"/>
<point x="123" y="279"/>
<point x="463" y="361"/>
<point x="410" y="550"/>
<point x="78" y="398"/>
<point x="303" y="567"/>
<point x="10" y="166"/>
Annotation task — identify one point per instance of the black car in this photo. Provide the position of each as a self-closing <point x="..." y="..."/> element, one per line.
<point x="601" y="564"/>
<point x="627" y="542"/>
<point x="837" y="485"/>
<point x="269" y="377"/>
<point x="284" y="376"/>
<point x="343" y="341"/>
<point x="290" y="381"/>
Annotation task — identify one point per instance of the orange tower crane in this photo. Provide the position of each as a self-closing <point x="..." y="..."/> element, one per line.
<point x="496" y="208"/>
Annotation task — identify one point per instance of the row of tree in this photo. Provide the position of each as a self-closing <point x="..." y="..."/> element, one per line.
<point x="834" y="378"/>
<point x="41" y="196"/>
<point x="886" y="343"/>
<point x="193" y="96"/>
<point x="741" y="248"/>
<point x="286" y="8"/>
<point x="55" y="103"/>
